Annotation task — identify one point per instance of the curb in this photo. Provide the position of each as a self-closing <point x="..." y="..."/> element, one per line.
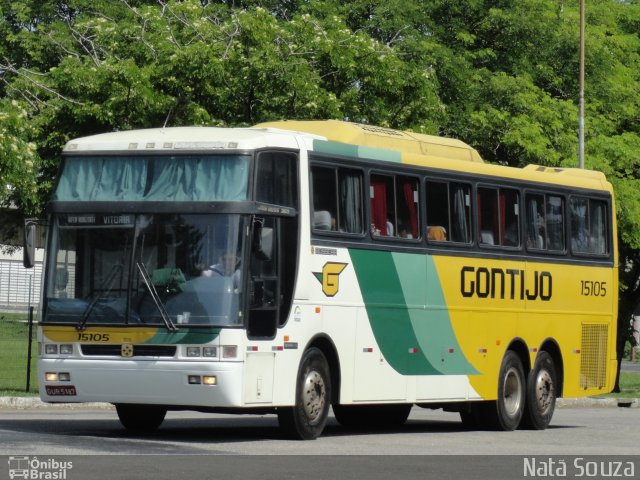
<point x="25" y="403"/>
<point x="28" y="403"/>
<point x="588" y="402"/>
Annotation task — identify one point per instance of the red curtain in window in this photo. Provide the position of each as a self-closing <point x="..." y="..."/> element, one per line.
<point x="411" y="207"/>
<point x="379" y="205"/>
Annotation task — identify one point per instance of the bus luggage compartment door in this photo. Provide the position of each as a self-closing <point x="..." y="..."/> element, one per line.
<point x="258" y="385"/>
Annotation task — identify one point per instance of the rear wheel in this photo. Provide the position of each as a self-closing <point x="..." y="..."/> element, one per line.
<point x="507" y="411"/>
<point x="141" y="418"/>
<point x="372" y="416"/>
<point x="541" y="393"/>
<point x="307" y="419"/>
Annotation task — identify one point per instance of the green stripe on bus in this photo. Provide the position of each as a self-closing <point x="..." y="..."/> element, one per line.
<point x="348" y="150"/>
<point x="432" y="325"/>
<point x="380" y="154"/>
<point x="184" y="336"/>
<point x="335" y="148"/>
<point x="388" y="314"/>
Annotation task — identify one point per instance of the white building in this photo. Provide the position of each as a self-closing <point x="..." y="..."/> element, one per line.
<point x="19" y="286"/>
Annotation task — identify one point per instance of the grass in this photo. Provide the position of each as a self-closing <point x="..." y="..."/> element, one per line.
<point x="629" y="386"/>
<point x="14" y="343"/>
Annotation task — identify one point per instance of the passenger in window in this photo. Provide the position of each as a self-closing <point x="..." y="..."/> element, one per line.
<point x="227" y="266"/>
<point x="403" y="231"/>
<point x="437" y="233"/>
<point x="380" y="232"/>
<point x="511" y="237"/>
<point x="389" y="228"/>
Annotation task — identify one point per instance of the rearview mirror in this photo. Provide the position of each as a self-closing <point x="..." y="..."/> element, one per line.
<point x="262" y="240"/>
<point x="29" y="247"/>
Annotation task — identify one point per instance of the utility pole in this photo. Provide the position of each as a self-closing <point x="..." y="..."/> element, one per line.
<point x="581" y="100"/>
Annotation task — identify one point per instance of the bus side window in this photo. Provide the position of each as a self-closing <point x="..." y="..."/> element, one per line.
<point x="383" y="210"/>
<point x="448" y="212"/>
<point x="536" y="231"/>
<point x="394" y="206"/>
<point x="325" y="198"/>
<point x="407" y="207"/>
<point x="588" y="226"/>
<point x="555" y="222"/>
<point x="276" y="179"/>
<point x="337" y="200"/>
<point x="488" y="216"/>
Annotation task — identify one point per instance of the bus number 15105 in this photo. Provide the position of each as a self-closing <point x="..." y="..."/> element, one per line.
<point x="590" y="288"/>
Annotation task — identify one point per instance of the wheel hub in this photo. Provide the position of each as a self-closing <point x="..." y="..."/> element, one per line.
<point x="313" y="396"/>
<point x="512" y="392"/>
<point x="544" y="391"/>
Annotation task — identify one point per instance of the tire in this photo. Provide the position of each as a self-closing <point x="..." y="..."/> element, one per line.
<point x="507" y="411"/>
<point x="372" y="416"/>
<point x="541" y="393"/>
<point x="307" y="419"/>
<point x="141" y="418"/>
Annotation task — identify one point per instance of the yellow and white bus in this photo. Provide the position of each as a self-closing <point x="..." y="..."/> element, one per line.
<point x="297" y="266"/>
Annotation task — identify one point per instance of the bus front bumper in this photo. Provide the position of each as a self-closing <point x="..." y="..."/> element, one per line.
<point x="142" y="382"/>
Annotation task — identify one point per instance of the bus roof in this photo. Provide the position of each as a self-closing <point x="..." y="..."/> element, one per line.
<point x="371" y="142"/>
<point x="435" y="152"/>
<point x="167" y="140"/>
<point x="380" y="137"/>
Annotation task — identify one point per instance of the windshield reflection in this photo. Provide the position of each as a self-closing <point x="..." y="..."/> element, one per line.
<point x="193" y="263"/>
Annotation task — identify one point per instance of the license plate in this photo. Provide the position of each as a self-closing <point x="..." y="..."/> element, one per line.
<point x="59" y="390"/>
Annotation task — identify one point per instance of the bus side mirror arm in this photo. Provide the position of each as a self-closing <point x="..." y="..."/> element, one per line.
<point x="29" y="247"/>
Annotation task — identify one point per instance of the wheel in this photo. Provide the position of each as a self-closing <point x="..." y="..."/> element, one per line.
<point x="372" y="416"/>
<point x="307" y="419"/>
<point x="507" y="411"/>
<point x="541" y="393"/>
<point x="141" y="418"/>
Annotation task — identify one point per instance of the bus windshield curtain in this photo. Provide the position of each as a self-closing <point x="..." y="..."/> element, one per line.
<point x="411" y="206"/>
<point x="183" y="178"/>
<point x="379" y="205"/>
<point x="351" y="218"/>
<point x="459" y="226"/>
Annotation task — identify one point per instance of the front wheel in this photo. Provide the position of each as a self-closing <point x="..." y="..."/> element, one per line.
<point x="307" y="419"/>
<point x="541" y="393"/>
<point x="507" y="411"/>
<point x="141" y="418"/>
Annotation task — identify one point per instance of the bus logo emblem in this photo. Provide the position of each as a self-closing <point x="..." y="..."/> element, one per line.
<point x="126" y="350"/>
<point x="329" y="277"/>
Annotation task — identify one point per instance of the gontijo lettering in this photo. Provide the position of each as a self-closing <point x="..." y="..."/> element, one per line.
<point x="509" y="283"/>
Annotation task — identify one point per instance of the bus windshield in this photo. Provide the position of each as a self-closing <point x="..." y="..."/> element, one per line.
<point x="141" y="269"/>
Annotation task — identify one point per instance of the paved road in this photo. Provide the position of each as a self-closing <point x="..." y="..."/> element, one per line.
<point x="187" y="444"/>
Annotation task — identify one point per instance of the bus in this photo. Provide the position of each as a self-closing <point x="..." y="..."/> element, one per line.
<point x="300" y="266"/>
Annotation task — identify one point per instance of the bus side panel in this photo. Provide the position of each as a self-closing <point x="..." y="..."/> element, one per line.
<point x="494" y="302"/>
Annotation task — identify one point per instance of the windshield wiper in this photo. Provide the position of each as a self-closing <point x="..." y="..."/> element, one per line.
<point x="106" y="288"/>
<point x="155" y="297"/>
